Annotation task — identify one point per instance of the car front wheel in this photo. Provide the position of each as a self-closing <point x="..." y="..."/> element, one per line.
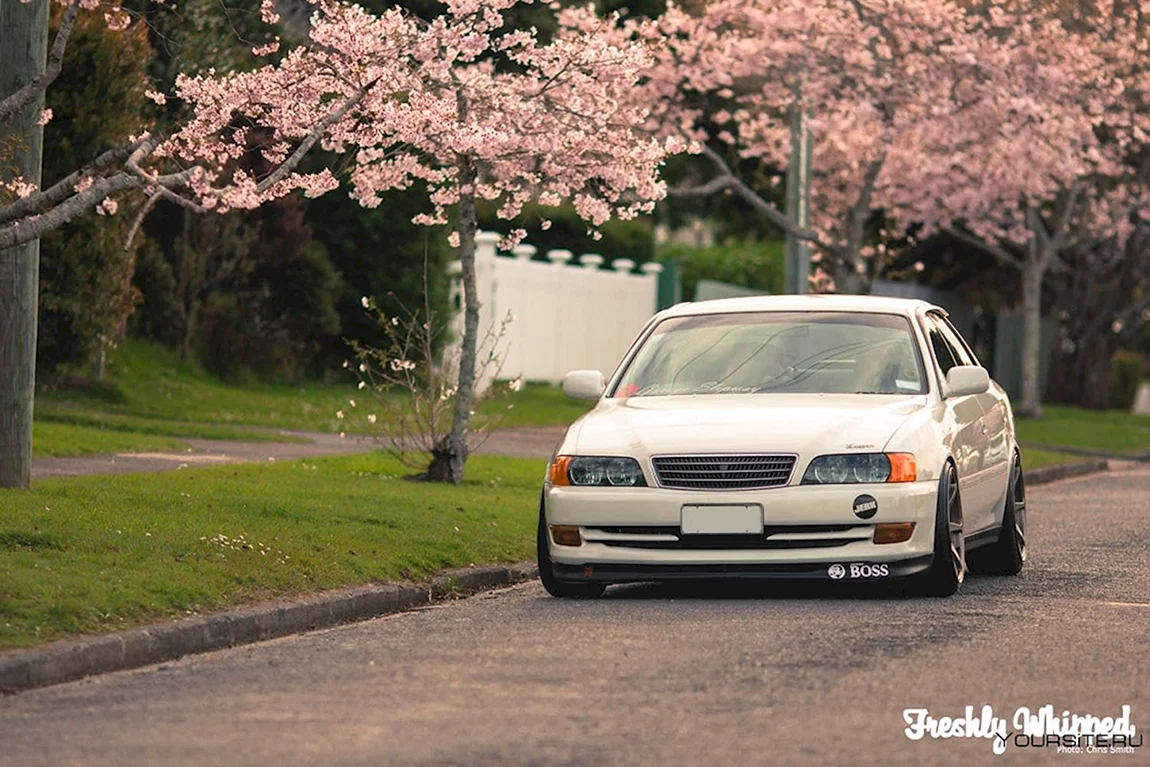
<point x="948" y="569"/>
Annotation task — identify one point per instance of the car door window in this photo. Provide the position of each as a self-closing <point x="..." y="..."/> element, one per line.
<point x="938" y="343"/>
<point x="961" y="353"/>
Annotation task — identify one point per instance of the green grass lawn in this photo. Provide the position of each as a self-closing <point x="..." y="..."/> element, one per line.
<point x="1116" y="431"/>
<point x="58" y="440"/>
<point x="1033" y="458"/>
<point x="150" y="392"/>
<point x="63" y="429"/>
<point x="148" y="382"/>
<point x="98" y="554"/>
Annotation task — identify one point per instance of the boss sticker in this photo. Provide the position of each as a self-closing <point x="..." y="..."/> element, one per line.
<point x="869" y="571"/>
<point x="857" y="571"/>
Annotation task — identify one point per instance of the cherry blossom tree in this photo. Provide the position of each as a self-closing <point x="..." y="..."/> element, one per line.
<point x="869" y="73"/>
<point x="460" y="105"/>
<point x="1103" y="301"/>
<point x="995" y="121"/>
<point x="1048" y="165"/>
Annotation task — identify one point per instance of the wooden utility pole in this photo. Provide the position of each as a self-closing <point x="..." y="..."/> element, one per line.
<point x="23" y="56"/>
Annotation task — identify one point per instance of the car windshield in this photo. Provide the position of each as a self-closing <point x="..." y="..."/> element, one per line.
<point x="776" y="352"/>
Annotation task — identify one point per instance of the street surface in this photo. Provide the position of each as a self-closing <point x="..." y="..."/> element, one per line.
<point x="653" y="675"/>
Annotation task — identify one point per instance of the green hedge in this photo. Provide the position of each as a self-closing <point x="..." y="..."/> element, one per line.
<point x="756" y="265"/>
<point x="1125" y="376"/>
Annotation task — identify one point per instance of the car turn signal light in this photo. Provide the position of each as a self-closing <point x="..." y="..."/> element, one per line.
<point x="558" y="471"/>
<point x="891" y="532"/>
<point x="902" y="467"/>
<point x="566" y="535"/>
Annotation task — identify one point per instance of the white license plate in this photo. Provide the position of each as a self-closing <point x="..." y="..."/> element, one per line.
<point x="719" y="520"/>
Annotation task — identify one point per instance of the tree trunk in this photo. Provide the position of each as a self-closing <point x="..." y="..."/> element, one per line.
<point x="23" y="55"/>
<point x="847" y="279"/>
<point x="99" y="362"/>
<point x="1099" y="286"/>
<point x="1094" y="375"/>
<point x="450" y="454"/>
<point x="1033" y="271"/>
<point x="191" y="317"/>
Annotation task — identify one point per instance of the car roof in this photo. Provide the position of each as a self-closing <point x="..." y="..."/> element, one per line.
<point x="817" y="302"/>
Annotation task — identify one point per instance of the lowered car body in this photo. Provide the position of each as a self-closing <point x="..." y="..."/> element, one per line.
<point x="837" y="438"/>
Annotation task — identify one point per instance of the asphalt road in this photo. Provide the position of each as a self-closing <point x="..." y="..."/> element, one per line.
<point x="652" y="675"/>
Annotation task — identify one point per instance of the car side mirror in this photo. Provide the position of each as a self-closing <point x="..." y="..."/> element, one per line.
<point x="967" y="379"/>
<point x="584" y="384"/>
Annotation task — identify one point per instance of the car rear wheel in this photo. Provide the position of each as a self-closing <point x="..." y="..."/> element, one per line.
<point x="553" y="585"/>
<point x="947" y="571"/>
<point x="1007" y="555"/>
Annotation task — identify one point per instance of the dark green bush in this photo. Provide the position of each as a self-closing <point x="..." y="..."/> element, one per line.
<point x="85" y="274"/>
<point x="1125" y="376"/>
<point x="757" y="265"/>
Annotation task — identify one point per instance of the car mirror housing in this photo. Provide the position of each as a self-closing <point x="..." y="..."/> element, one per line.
<point x="967" y="379"/>
<point x="584" y="384"/>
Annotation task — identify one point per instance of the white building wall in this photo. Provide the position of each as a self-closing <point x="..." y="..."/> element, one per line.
<point x="570" y="313"/>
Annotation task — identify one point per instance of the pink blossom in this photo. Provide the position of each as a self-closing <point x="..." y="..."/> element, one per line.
<point x="17" y="186"/>
<point x="117" y="19"/>
<point x="268" y="12"/>
<point x="555" y="126"/>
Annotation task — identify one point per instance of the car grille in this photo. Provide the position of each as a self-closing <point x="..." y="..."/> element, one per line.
<point x="723" y="472"/>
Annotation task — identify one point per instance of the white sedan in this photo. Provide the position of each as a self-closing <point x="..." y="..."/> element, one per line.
<point x="837" y="438"/>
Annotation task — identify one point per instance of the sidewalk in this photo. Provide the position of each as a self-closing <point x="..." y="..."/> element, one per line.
<point x="521" y="442"/>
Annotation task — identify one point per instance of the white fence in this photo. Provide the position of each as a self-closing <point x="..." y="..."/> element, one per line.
<point x="567" y="316"/>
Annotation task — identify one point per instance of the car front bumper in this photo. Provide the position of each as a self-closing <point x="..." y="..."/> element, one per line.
<point x="810" y="532"/>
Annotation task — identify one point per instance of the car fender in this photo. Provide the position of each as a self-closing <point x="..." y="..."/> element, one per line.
<point x="929" y="435"/>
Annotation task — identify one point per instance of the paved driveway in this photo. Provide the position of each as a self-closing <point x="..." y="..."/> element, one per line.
<point x="522" y="442"/>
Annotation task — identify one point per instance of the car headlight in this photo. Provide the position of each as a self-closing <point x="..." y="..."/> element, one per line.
<point x="855" y="468"/>
<point x="587" y="470"/>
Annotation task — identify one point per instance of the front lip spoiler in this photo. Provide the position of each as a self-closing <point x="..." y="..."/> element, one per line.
<point x="631" y="573"/>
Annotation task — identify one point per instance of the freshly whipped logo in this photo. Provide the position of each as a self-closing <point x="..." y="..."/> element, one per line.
<point x="1069" y="733"/>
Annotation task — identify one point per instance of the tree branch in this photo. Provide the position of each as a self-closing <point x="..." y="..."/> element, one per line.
<point x="860" y="212"/>
<point x="1063" y="223"/>
<point x="151" y="203"/>
<point x="163" y="184"/>
<point x="768" y="211"/>
<point x="714" y="186"/>
<point x="37" y="85"/>
<point x="1002" y="254"/>
<point x="32" y="227"/>
<point x="66" y="187"/>
<point x="288" y="165"/>
<point x="46" y="210"/>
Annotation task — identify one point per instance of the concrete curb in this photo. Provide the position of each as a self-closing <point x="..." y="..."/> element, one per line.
<point x="1048" y="474"/>
<point x="1089" y="452"/>
<point x="69" y="660"/>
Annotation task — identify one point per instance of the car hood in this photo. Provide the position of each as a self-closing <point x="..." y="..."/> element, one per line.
<point x="735" y="423"/>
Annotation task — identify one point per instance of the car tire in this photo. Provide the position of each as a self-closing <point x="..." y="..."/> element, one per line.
<point x="1007" y="555"/>
<point x="553" y="585"/>
<point x="948" y="569"/>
